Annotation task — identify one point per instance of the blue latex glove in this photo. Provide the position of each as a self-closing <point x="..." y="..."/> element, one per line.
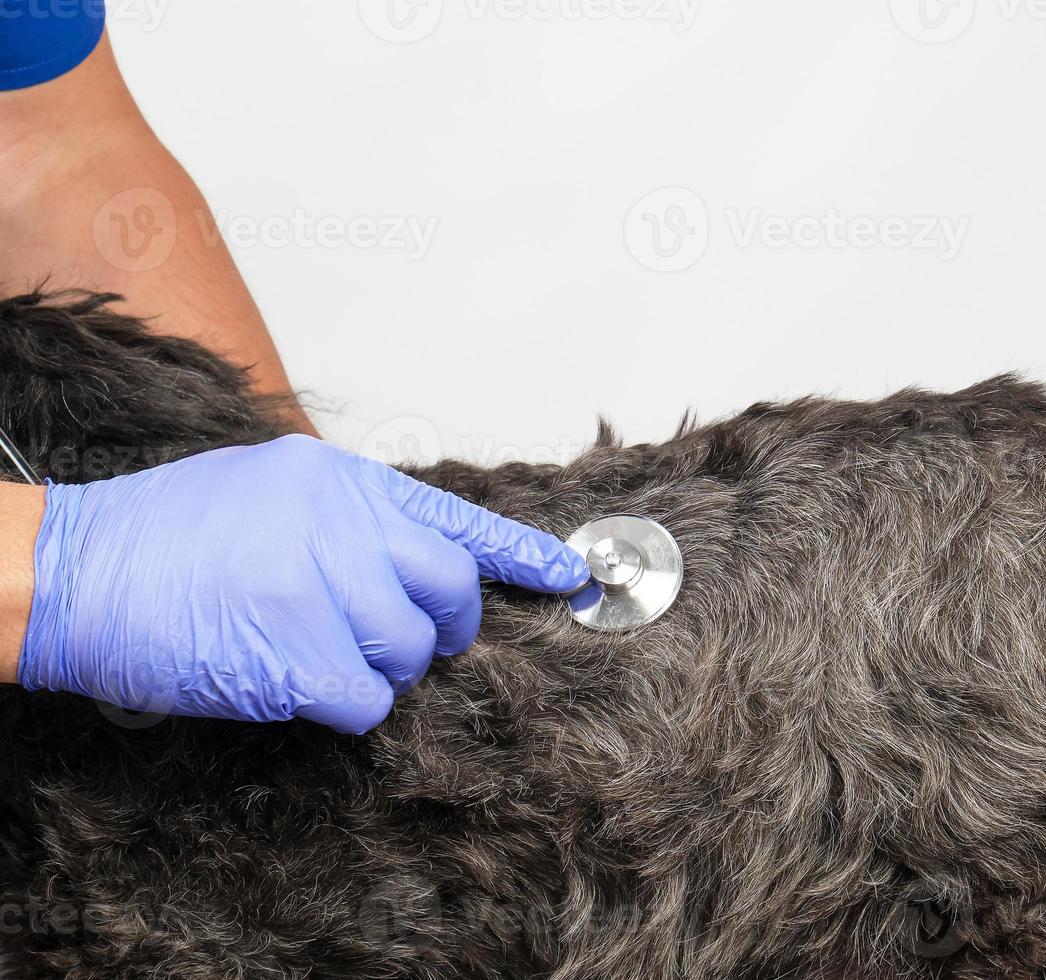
<point x="265" y="583"/>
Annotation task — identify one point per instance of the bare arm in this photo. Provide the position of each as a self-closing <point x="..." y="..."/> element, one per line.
<point x="21" y="509"/>
<point x="99" y="203"/>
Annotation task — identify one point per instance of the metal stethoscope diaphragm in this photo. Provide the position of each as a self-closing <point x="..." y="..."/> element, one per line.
<point x="637" y="570"/>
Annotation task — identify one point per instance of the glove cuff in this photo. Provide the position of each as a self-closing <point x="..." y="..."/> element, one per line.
<point x="42" y="660"/>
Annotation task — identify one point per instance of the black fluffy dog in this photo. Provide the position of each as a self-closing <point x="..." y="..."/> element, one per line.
<point x="828" y="760"/>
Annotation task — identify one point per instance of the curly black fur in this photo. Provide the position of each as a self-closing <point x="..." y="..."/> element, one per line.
<point x="826" y="761"/>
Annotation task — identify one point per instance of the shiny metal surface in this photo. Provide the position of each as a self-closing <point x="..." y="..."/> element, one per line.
<point x="636" y="567"/>
<point x="615" y="564"/>
<point x="17" y="459"/>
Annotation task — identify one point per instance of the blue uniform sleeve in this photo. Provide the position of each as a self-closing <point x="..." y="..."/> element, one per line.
<point x="42" y="39"/>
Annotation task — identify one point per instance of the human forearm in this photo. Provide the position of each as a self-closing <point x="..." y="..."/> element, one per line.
<point x="101" y="204"/>
<point x="21" y="510"/>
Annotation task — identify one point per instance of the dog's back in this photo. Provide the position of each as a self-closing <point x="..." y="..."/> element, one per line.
<point x="826" y="760"/>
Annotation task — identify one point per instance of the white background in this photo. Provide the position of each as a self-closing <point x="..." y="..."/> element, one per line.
<point x="528" y="130"/>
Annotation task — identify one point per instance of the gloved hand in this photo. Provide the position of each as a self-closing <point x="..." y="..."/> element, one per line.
<point x="264" y="583"/>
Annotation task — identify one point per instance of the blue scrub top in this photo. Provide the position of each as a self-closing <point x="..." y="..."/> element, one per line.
<point x="42" y="39"/>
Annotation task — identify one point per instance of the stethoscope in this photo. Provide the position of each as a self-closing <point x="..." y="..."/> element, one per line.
<point x="19" y="461"/>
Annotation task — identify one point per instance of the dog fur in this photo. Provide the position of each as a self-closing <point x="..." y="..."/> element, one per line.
<point x="827" y="760"/>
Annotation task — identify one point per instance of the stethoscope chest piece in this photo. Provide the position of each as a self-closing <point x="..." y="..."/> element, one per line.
<point x="636" y="568"/>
